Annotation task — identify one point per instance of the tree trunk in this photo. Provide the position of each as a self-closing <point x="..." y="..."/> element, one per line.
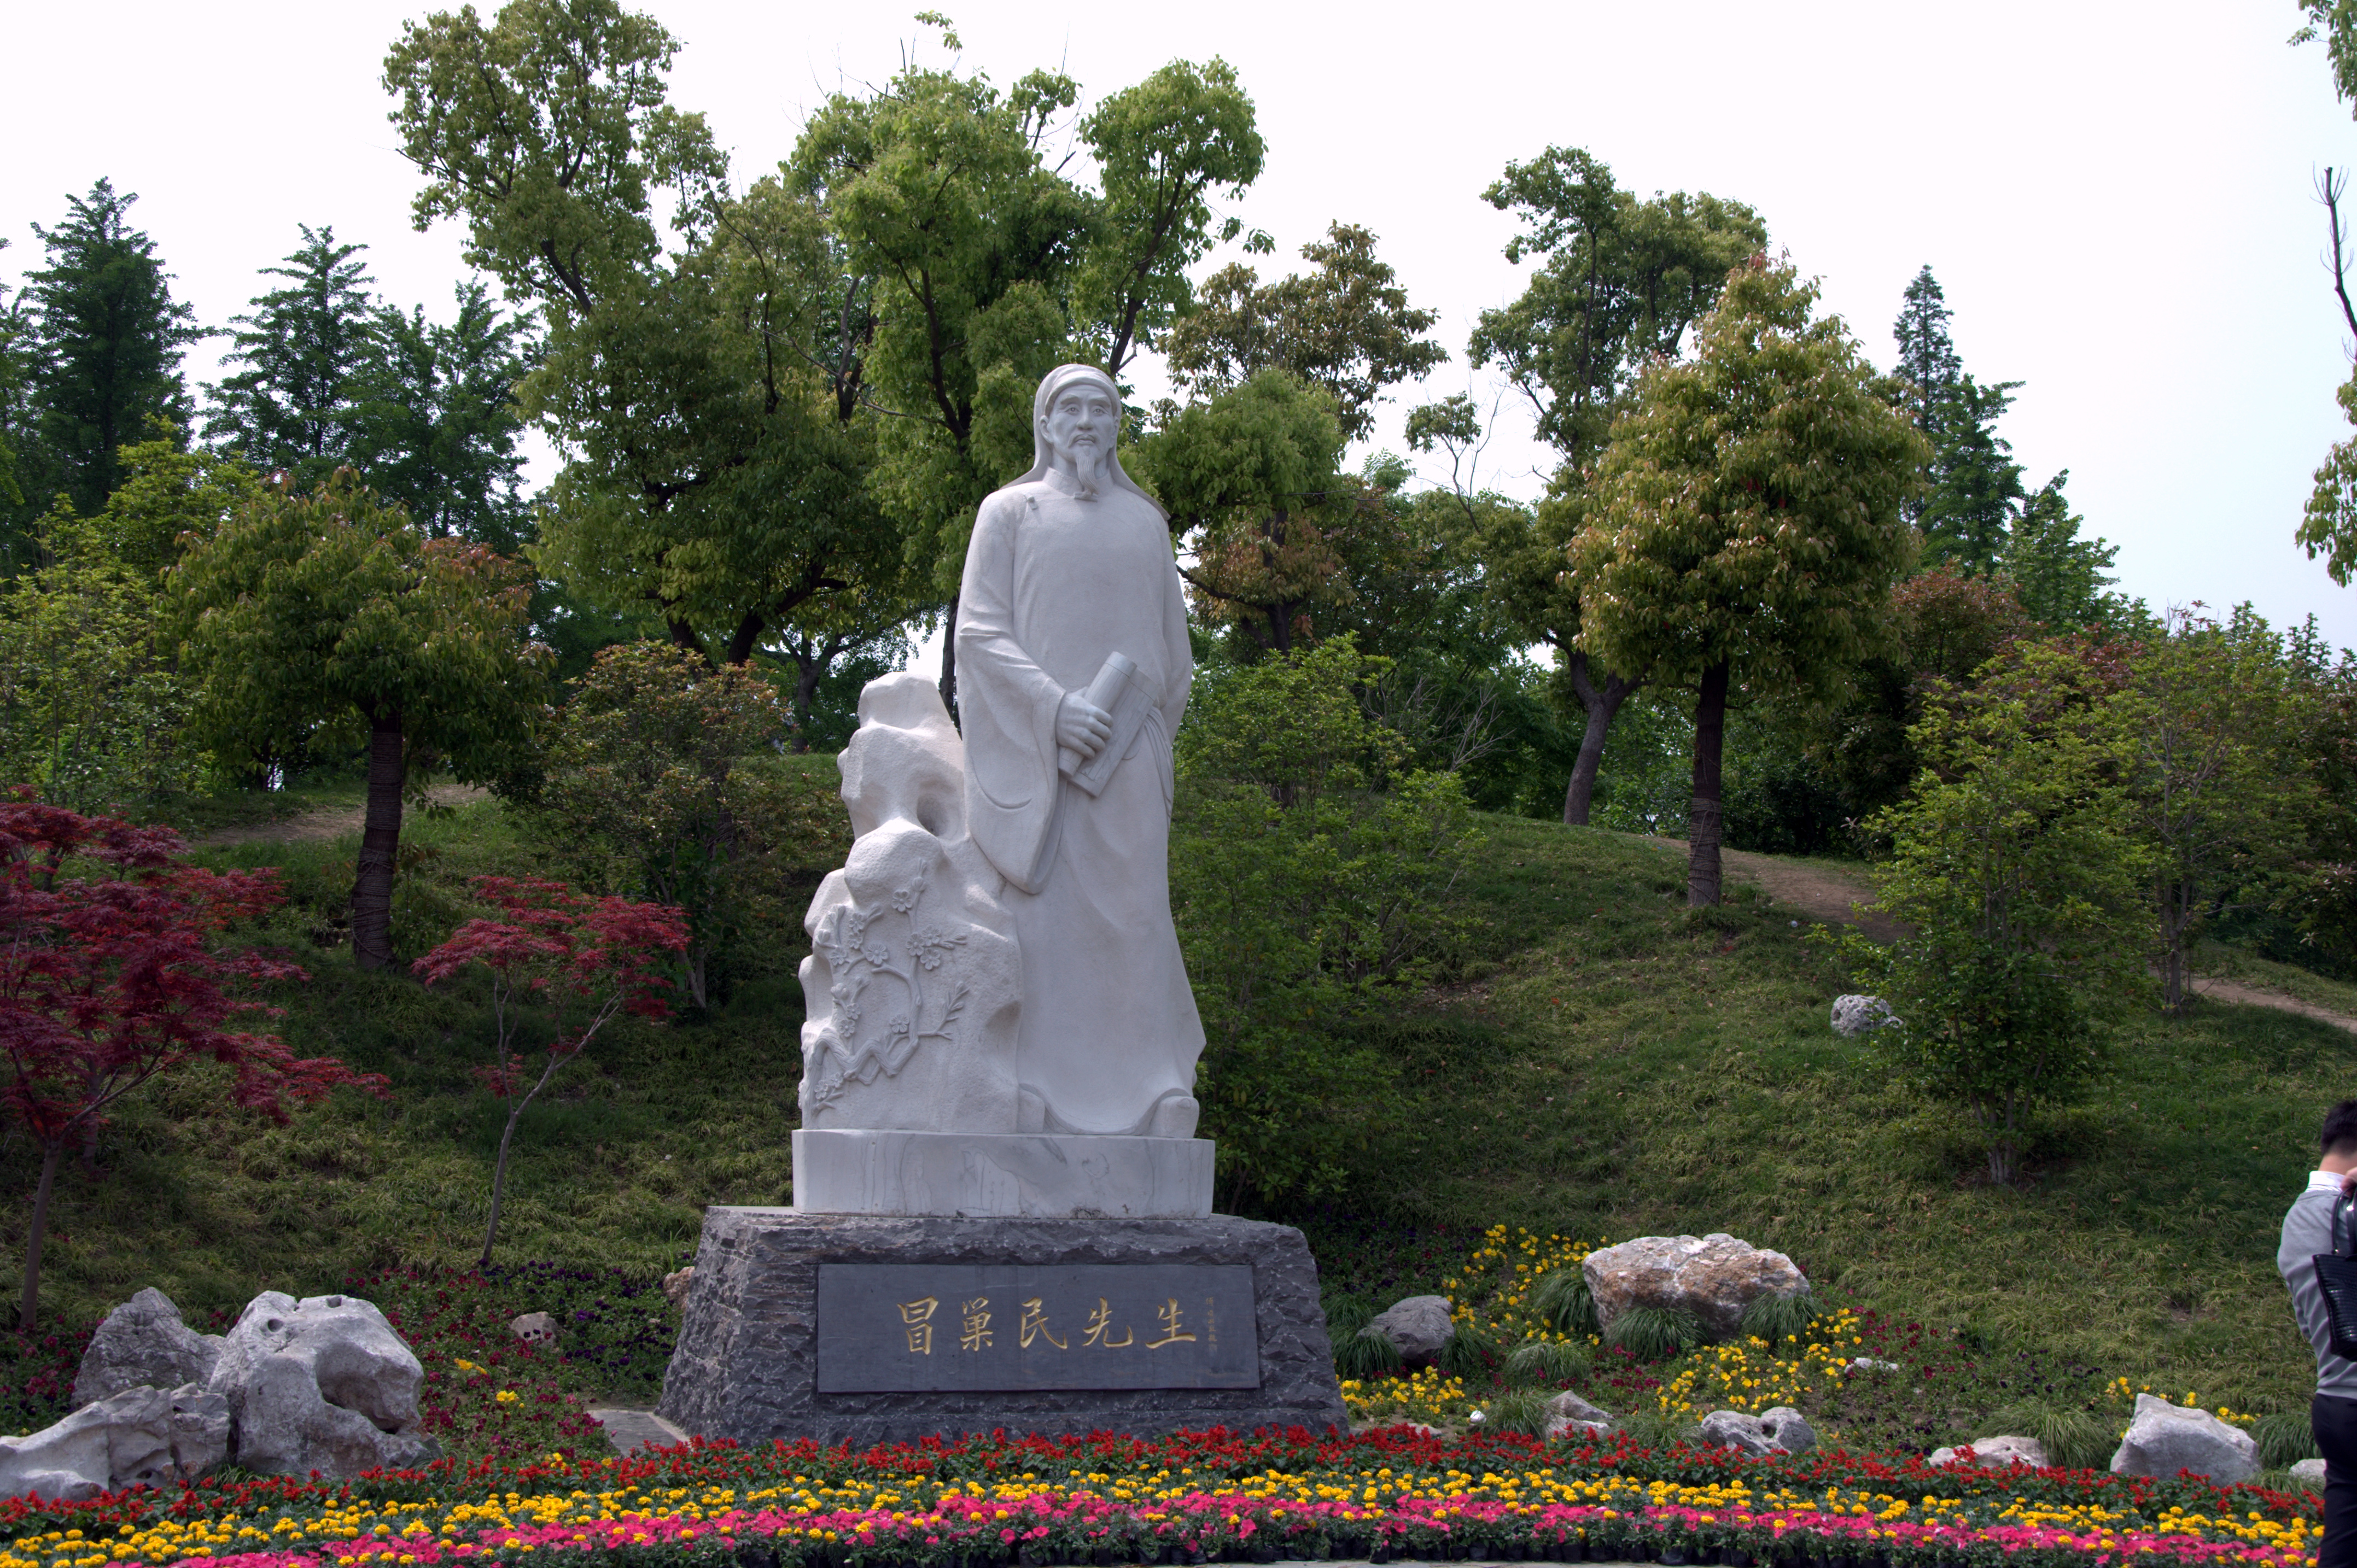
<point x="1601" y="707"/>
<point x="1702" y="815"/>
<point x="808" y="668"/>
<point x="693" y="960"/>
<point x="380" y="844"/>
<point x="949" y="661"/>
<point x="499" y="1170"/>
<point x="2176" y="906"/>
<point x="28" y="1308"/>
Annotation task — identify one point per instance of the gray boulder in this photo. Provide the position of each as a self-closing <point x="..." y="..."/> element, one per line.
<point x="144" y="1344"/>
<point x="322" y="1384"/>
<point x="2164" y="1438"/>
<point x="1856" y="1015"/>
<point x="1993" y="1451"/>
<point x="138" y="1437"/>
<point x="2310" y="1473"/>
<point x="535" y="1329"/>
<point x="1734" y="1429"/>
<point x="1417" y="1327"/>
<point x="1569" y="1416"/>
<point x="1713" y="1277"/>
<point x="1788" y="1429"/>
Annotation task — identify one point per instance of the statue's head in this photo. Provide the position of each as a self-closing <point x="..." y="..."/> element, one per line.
<point x="1076" y="417"/>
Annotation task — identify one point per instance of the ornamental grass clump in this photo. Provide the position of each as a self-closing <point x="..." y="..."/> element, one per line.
<point x="1551" y="1362"/>
<point x="1562" y="1301"/>
<point x="1787" y="1323"/>
<point x="2283" y="1439"/>
<point x="2072" y="1439"/>
<point x="1470" y="1351"/>
<point x="1654" y="1332"/>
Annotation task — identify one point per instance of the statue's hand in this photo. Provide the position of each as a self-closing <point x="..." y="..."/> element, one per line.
<point x="1082" y="725"/>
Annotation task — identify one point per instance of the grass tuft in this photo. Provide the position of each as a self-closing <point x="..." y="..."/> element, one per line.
<point x="1470" y="1352"/>
<point x="1654" y="1332"/>
<point x="2285" y="1439"/>
<point x="2071" y="1438"/>
<point x="1522" y="1411"/>
<point x="1785" y="1322"/>
<point x="1548" y="1362"/>
<point x="1561" y="1300"/>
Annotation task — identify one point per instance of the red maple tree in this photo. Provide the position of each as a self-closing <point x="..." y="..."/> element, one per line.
<point x="115" y="975"/>
<point x="573" y="959"/>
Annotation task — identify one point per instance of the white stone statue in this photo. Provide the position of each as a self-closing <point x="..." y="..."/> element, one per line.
<point x="1070" y="566"/>
<point x="998" y="1020"/>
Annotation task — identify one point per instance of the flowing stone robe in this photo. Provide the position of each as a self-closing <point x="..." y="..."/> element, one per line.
<point x="1053" y="584"/>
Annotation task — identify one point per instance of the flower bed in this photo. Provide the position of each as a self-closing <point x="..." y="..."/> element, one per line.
<point x="1192" y="1498"/>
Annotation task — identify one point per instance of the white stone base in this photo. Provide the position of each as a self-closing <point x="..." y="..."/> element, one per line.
<point x="1037" y="1176"/>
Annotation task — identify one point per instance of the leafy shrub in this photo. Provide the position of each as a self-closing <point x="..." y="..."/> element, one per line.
<point x="662" y="781"/>
<point x="1310" y="875"/>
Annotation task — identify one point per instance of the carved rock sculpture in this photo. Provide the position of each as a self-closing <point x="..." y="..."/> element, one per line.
<point x="144" y="1344"/>
<point x="1714" y="1277"/>
<point x="913" y="979"/>
<point x="322" y="1384"/>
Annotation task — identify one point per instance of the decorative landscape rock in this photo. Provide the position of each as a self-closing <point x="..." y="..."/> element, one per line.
<point x="2004" y="1450"/>
<point x="144" y="1344"/>
<point x="1568" y="1413"/>
<point x="322" y="1384"/>
<point x="535" y="1329"/>
<point x="1869" y="1364"/>
<point x="1744" y="1434"/>
<point x="1856" y="1015"/>
<point x="2309" y="1473"/>
<point x="1714" y="1277"/>
<point x="140" y="1436"/>
<point x="2164" y="1438"/>
<point x="1417" y="1327"/>
<point x="1788" y="1429"/>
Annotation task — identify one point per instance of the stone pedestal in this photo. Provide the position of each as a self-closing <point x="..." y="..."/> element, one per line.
<point x="867" y="1329"/>
<point x="1040" y="1175"/>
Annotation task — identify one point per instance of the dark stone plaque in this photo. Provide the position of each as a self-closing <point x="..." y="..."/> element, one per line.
<point x="756" y="1329"/>
<point x="886" y="1327"/>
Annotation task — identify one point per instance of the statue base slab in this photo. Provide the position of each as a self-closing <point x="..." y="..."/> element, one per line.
<point x="864" y="1329"/>
<point x="1034" y="1176"/>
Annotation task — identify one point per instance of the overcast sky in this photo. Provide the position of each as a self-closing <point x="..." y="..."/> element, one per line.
<point x="2116" y="196"/>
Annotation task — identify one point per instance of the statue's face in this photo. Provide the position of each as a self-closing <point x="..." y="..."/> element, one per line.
<point x="1080" y="425"/>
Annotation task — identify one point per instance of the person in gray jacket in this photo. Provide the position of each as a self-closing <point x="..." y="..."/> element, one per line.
<point x="2308" y="1230"/>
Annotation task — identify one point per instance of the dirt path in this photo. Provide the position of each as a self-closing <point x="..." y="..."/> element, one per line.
<point x="1823" y="894"/>
<point x="326" y="821"/>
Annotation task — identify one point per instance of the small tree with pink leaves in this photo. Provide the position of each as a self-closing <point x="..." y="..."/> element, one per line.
<point x="112" y="974"/>
<point x="572" y="961"/>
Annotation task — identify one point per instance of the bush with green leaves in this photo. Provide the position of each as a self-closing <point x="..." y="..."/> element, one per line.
<point x="1312" y="874"/>
<point x="2015" y="870"/>
<point x="663" y="776"/>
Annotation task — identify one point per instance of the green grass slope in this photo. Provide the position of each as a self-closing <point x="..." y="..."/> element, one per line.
<point x="1611" y="1065"/>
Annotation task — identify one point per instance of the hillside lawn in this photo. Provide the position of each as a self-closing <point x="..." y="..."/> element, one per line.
<point x="1609" y="1065"/>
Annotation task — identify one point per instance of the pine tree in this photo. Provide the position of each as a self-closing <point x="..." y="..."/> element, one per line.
<point x="290" y="408"/>
<point x="2060" y="578"/>
<point x="109" y="336"/>
<point x="436" y="422"/>
<point x="1927" y="355"/>
<point x="1976" y="485"/>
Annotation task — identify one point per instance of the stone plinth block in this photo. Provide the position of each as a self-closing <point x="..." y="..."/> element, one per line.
<point x="867" y="1329"/>
<point x="1040" y="1175"/>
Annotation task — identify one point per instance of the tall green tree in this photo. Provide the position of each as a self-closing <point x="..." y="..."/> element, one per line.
<point x="329" y="616"/>
<point x="110" y="341"/>
<point x="437" y="419"/>
<point x="1619" y="281"/>
<point x="1345" y="327"/>
<point x="18" y="436"/>
<point x="2062" y="580"/>
<point x="709" y="399"/>
<point x="989" y="267"/>
<point x="1745" y="524"/>
<point x="290" y="408"/>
